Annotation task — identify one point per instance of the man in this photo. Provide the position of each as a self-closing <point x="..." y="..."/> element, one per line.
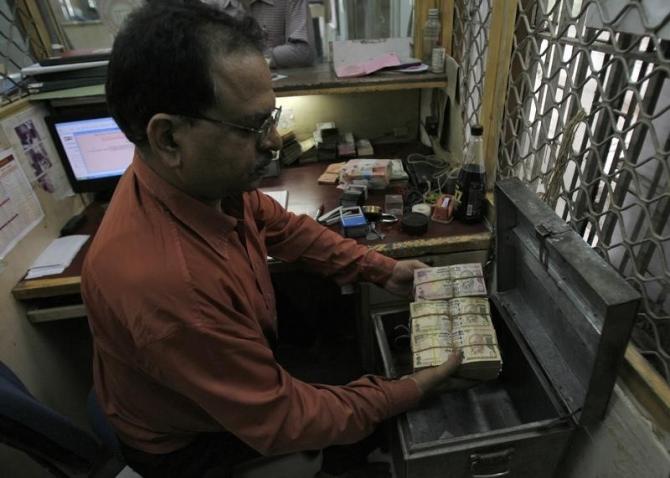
<point x="176" y="283"/>
<point x="287" y="25"/>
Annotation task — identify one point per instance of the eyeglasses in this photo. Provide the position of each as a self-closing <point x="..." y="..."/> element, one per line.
<point x="262" y="133"/>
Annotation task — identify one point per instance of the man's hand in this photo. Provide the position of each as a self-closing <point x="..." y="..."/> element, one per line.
<point x="402" y="277"/>
<point x="429" y="378"/>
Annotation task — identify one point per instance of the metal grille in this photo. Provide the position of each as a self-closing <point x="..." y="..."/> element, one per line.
<point x="14" y="51"/>
<point x="472" y="20"/>
<point x="587" y="126"/>
<point x="79" y="10"/>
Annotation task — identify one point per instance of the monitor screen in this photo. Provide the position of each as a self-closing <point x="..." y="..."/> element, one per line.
<point x="94" y="151"/>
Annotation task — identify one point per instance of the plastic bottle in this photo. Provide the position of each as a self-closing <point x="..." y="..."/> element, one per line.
<point x="431" y="35"/>
<point x="471" y="183"/>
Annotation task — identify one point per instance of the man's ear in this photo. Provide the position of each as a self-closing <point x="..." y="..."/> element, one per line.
<point x="161" y="133"/>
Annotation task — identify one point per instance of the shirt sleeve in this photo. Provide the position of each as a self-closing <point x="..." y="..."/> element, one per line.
<point x="298" y="50"/>
<point x="229" y="371"/>
<point x="291" y="238"/>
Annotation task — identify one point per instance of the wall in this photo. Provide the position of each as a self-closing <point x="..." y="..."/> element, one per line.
<point x="367" y="115"/>
<point x="626" y="444"/>
<point x="52" y="359"/>
<point x="89" y="34"/>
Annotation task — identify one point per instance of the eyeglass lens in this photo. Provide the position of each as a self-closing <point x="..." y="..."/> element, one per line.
<point x="270" y="122"/>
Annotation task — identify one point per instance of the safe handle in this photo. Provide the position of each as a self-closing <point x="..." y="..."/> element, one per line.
<point x="500" y="458"/>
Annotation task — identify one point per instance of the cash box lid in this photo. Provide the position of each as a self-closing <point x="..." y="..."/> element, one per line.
<point x="574" y="311"/>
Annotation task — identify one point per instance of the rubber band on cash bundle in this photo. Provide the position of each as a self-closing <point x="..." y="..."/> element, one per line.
<point x="443" y="211"/>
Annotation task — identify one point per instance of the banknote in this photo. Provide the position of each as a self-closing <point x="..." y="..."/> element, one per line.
<point x="463" y="271"/>
<point x="471" y="355"/>
<point x="471" y="321"/>
<point x="437" y="307"/>
<point x="428" y="341"/>
<point x="452" y="313"/>
<point x="458" y="271"/>
<point x="453" y="307"/>
<point x="430" y="324"/>
<point x="480" y="353"/>
<point x="468" y="305"/>
<point x="473" y="286"/>
<point x="430" y="357"/>
<point x="430" y="274"/>
<point x="474" y="336"/>
<point x="434" y="291"/>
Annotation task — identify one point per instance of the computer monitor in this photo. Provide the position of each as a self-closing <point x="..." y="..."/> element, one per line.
<point x="94" y="151"/>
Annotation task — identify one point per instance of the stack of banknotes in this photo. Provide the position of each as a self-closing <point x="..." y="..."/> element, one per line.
<point x="452" y="313"/>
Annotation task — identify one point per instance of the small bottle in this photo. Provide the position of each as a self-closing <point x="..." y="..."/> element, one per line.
<point x="471" y="183"/>
<point x="431" y="35"/>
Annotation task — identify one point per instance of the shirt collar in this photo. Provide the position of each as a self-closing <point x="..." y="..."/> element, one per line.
<point x="207" y="222"/>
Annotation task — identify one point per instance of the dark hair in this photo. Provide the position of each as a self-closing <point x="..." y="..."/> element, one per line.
<point x="161" y="60"/>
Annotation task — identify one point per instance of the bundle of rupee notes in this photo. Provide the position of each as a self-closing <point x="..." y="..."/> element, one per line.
<point x="451" y="312"/>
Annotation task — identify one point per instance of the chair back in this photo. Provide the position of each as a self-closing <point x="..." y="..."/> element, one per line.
<point x="101" y="427"/>
<point x="48" y="437"/>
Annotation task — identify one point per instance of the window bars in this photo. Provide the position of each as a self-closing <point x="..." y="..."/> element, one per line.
<point x="28" y="33"/>
<point x="472" y="21"/>
<point x="587" y="125"/>
<point x="14" y="52"/>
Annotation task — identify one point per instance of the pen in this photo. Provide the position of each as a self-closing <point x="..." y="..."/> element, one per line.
<point x="317" y="212"/>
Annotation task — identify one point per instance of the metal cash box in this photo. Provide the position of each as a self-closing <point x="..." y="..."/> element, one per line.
<point x="563" y="318"/>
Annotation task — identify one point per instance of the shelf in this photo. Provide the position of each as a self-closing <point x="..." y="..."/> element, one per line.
<point x="316" y="80"/>
<point x="321" y="80"/>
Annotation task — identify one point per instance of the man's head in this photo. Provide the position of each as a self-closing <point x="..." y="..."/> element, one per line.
<point x="189" y="86"/>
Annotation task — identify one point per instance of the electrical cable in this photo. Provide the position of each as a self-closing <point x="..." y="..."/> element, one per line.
<point x="440" y="177"/>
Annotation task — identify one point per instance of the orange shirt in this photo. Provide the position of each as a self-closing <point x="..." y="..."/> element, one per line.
<point x="182" y="312"/>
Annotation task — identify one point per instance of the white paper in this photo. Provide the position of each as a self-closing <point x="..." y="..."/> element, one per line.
<point x="27" y="133"/>
<point x="44" y="271"/>
<point x="280" y="196"/>
<point x="57" y="256"/>
<point x="20" y="211"/>
<point x="61" y="251"/>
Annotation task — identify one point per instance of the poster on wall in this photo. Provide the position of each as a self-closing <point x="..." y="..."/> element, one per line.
<point x="20" y="210"/>
<point x="27" y="134"/>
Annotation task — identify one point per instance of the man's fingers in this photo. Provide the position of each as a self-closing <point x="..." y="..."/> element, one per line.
<point x="414" y="264"/>
<point x="452" y="363"/>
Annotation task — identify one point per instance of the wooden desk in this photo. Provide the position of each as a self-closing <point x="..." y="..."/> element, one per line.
<point x="48" y="296"/>
<point x="305" y="193"/>
<point x="69" y="281"/>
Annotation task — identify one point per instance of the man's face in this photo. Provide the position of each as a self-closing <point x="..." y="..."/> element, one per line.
<point x="220" y="160"/>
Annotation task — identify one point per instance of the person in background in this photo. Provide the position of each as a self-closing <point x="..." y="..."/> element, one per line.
<point x="287" y="25"/>
<point x="176" y="283"/>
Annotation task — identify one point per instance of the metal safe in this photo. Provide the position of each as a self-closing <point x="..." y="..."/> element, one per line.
<point x="563" y="318"/>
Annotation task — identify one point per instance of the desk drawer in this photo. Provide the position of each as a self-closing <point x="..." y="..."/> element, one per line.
<point x="48" y="314"/>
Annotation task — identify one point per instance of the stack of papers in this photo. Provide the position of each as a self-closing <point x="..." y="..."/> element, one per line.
<point x="375" y="172"/>
<point x="352" y="58"/>
<point x="57" y="257"/>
